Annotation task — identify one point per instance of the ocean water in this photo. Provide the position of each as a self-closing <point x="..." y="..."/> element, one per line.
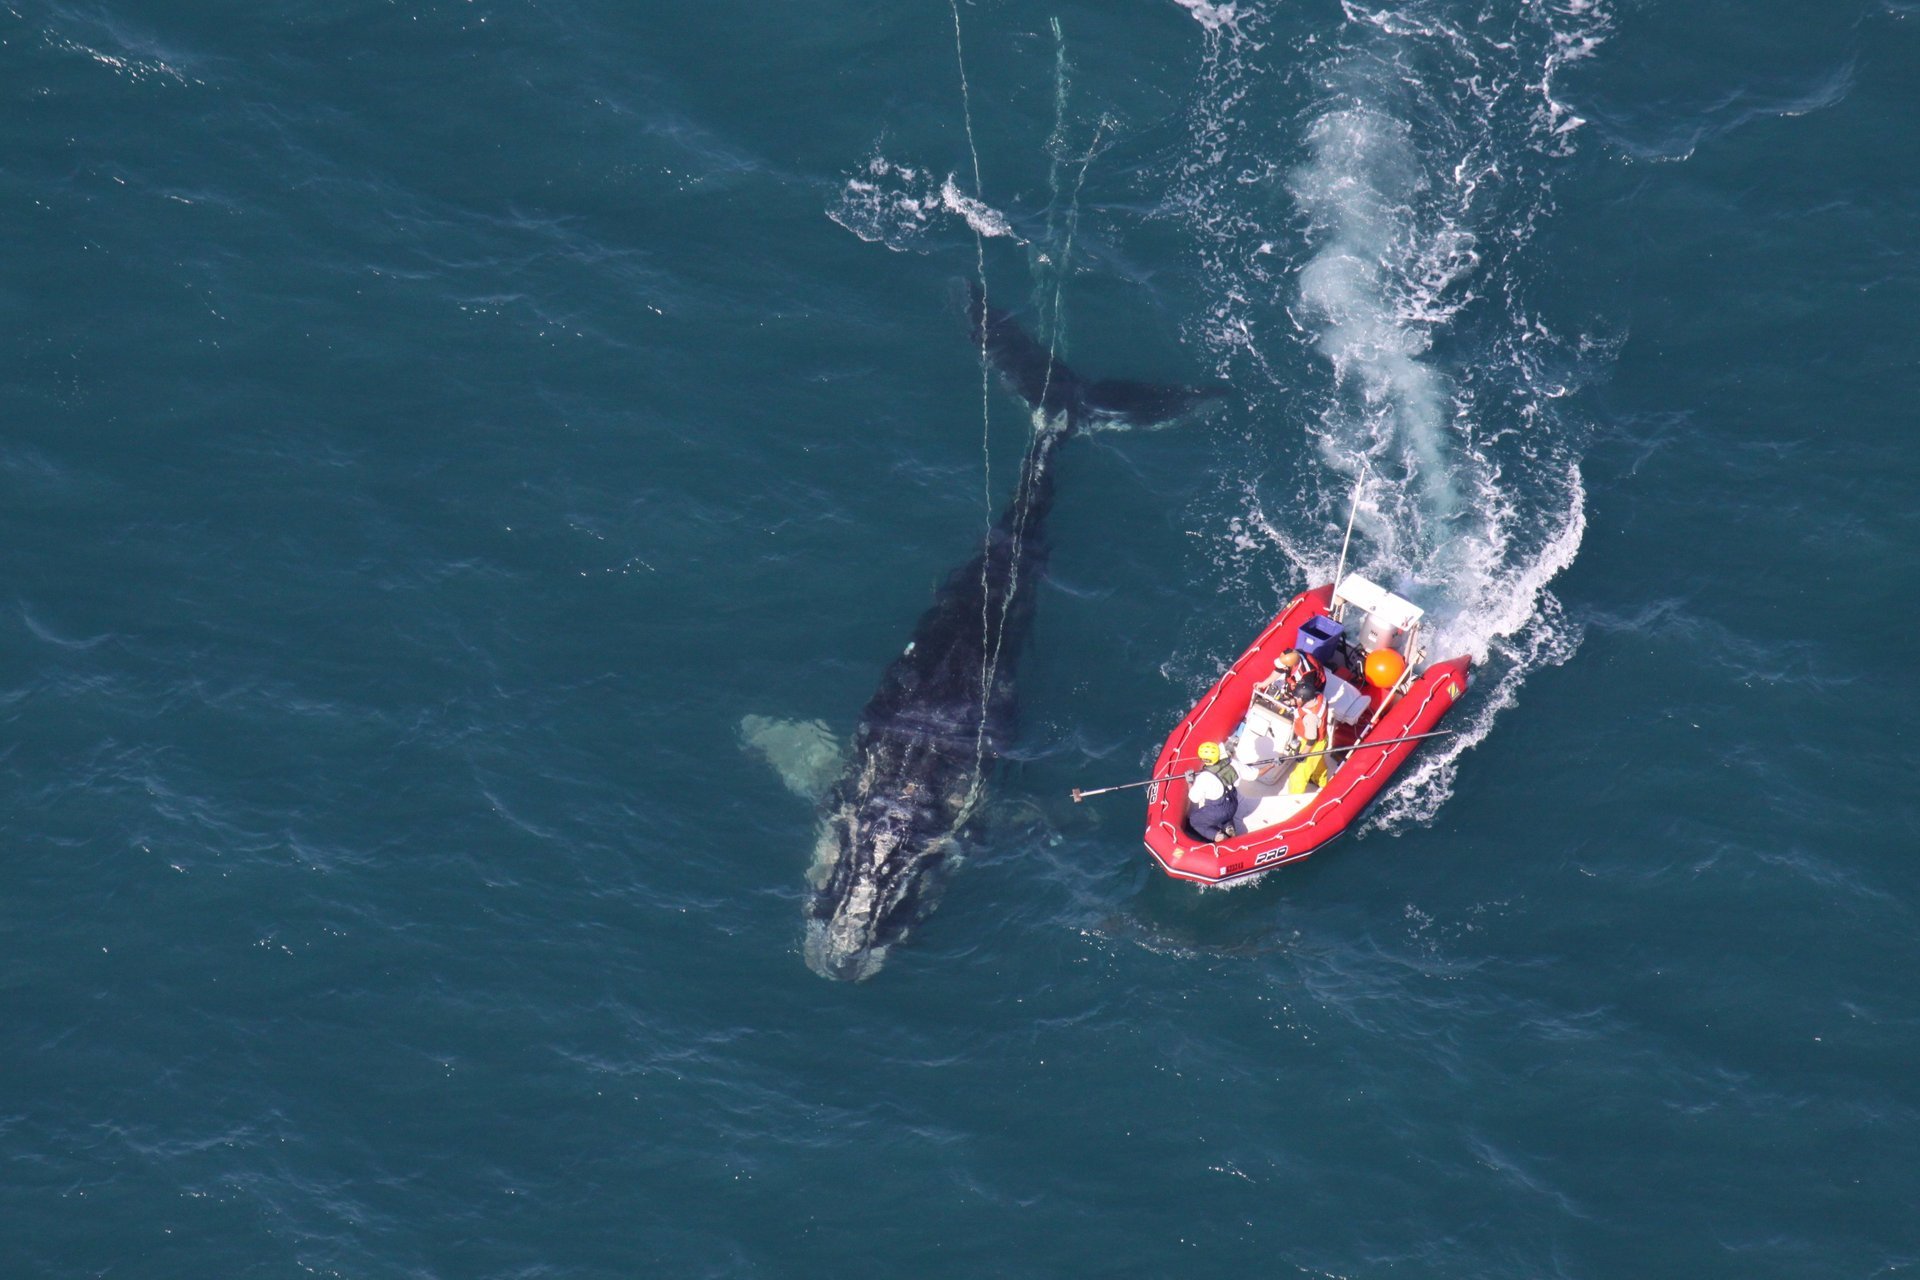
<point x="428" y="430"/>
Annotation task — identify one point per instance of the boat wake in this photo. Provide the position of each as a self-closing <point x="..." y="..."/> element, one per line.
<point x="1373" y="286"/>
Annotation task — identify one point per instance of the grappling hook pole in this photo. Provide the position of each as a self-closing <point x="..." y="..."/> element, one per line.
<point x="1353" y="509"/>
<point x="1079" y="795"/>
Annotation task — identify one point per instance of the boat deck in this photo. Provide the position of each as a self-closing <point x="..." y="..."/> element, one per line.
<point x="1264" y="804"/>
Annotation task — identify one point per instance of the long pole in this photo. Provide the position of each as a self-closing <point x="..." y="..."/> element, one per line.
<point x="1353" y="509"/>
<point x="1079" y="795"/>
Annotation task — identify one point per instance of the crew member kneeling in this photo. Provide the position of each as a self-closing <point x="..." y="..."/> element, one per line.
<point x="1211" y="805"/>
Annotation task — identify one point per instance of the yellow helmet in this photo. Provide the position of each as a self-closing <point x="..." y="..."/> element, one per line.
<point x="1209" y="753"/>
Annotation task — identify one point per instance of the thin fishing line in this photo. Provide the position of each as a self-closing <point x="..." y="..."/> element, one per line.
<point x="1056" y="153"/>
<point x="1023" y="492"/>
<point x="1054" y="331"/>
<point x="986" y="442"/>
<point x="1040" y="458"/>
<point x="1055" y="328"/>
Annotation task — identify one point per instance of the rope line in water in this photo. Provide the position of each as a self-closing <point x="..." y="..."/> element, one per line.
<point x="1040" y="459"/>
<point x="1023" y="495"/>
<point x="992" y="636"/>
<point x="1023" y="498"/>
<point x="986" y="442"/>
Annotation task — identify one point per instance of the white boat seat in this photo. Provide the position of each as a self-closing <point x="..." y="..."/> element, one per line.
<point x="1268" y="722"/>
<point x="1248" y="753"/>
<point x="1345" y="703"/>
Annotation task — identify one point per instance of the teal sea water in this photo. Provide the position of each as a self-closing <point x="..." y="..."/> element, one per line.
<point x="428" y="430"/>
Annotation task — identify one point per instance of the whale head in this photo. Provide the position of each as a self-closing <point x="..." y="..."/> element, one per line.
<point x="876" y="872"/>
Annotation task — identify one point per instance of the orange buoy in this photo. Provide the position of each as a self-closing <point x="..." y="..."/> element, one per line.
<point x="1384" y="668"/>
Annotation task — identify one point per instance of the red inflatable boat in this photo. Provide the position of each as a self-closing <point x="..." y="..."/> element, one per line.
<point x="1361" y="628"/>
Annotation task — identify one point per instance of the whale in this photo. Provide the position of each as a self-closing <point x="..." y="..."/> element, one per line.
<point x="911" y="780"/>
<point x="1058" y="395"/>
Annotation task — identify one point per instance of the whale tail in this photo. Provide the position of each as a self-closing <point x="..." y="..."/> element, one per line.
<point x="1120" y="402"/>
<point x="1038" y="376"/>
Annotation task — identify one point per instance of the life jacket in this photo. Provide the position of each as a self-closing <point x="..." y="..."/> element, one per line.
<point x="1311" y="721"/>
<point x="1286" y="683"/>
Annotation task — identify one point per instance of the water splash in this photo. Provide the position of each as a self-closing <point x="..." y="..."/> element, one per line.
<point x="985" y="220"/>
<point x="901" y="205"/>
<point x="1213" y="17"/>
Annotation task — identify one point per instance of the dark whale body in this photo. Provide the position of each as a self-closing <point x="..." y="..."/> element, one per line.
<point x="1033" y="373"/>
<point x="945" y="708"/>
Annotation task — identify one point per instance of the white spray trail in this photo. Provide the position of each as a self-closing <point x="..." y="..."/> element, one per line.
<point x="1358" y="194"/>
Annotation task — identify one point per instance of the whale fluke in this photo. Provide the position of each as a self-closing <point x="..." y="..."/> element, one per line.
<point x="1038" y="376"/>
<point x="1144" y="404"/>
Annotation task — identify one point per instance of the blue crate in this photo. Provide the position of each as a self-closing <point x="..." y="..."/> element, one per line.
<point x="1319" y="639"/>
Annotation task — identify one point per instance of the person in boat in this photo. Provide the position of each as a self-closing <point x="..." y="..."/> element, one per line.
<point x="1291" y="670"/>
<point x="1215" y="760"/>
<point x="1211" y="805"/>
<point x="1313" y="731"/>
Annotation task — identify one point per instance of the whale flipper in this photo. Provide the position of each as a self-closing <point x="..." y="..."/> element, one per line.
<point x="803" y="752"/>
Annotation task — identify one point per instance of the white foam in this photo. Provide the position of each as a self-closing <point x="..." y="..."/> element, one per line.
<point x="886" y="204"/>
<point x="982" y="217"/>
<point x="1214" y="17"/>
<point x="1374" y="292"/>
<point x="899" y="205"/>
